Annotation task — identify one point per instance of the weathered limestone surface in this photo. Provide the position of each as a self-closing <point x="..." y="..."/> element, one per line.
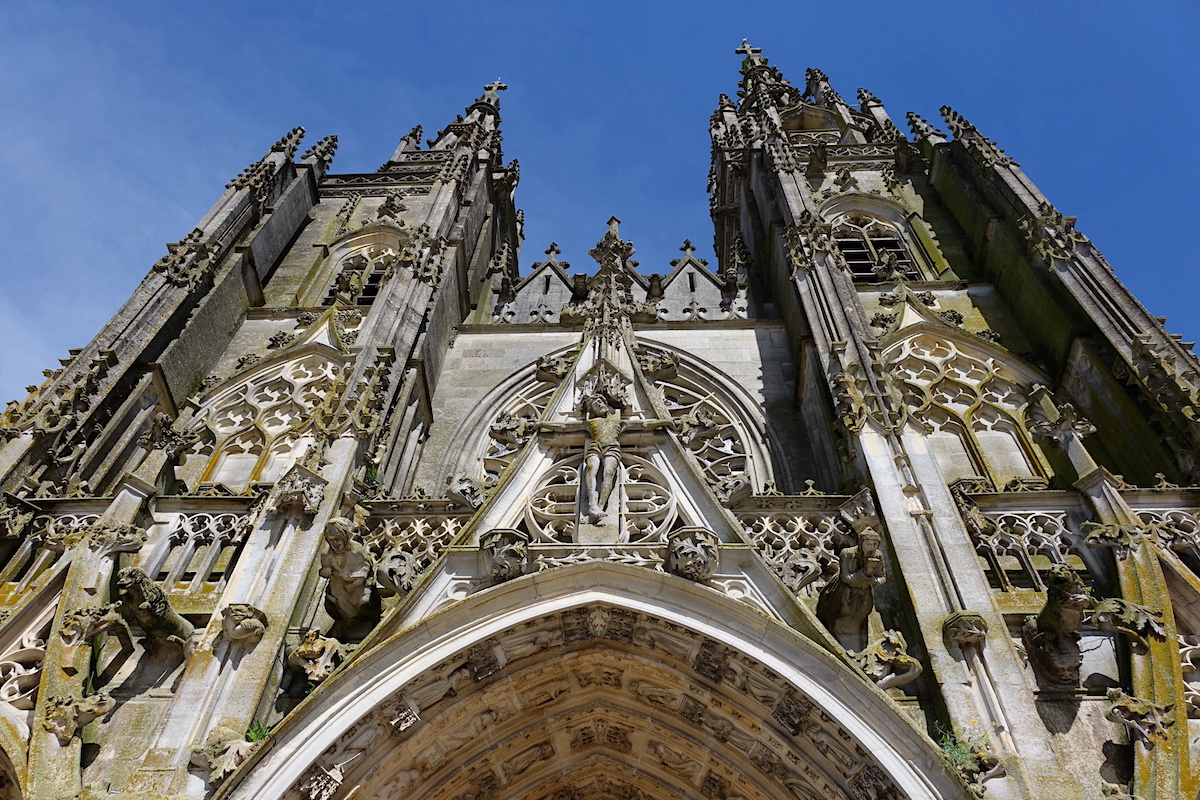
<point x="894" y="500"/>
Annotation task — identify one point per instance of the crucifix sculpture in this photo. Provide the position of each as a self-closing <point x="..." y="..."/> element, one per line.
<point x="604" y="426"/>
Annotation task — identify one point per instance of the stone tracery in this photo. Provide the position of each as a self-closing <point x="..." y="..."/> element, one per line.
<point x="973" y="404"/>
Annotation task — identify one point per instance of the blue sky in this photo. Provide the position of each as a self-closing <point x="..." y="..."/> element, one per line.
<point x="123" y="121"/>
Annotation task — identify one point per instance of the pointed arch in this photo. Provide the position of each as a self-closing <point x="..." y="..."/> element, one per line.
<point x="973" y="397"/>
<point x="597" y="667"/>
<point x="745" y="447"/>
<point x="256" y="427"/>
<point x="876" y="237"/>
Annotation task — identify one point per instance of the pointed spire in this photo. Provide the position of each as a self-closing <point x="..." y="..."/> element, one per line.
<point x="409" y="141"/>
<point x="818" y="87"/>
<point x="866" y="98"/>
<point x="289" y="143"/>
<point x="983" y="148"/>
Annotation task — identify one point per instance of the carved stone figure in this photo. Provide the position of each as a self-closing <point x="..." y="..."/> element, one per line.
<point x="317" y="655"/>
<point x="692" y="553"/>
<point x="602" y="456"/>
<point x="85" y="624"/>
<point x="145" y="605"/>
<point x="397" y="571"/>
<point x="1052" y="638"/>
<point x="887" y="663"/>
<point x="242" y="622"/>
<point x="509" y="552"/>
<point x="847" y="600"/>
<point x="350" y="596"/>
<point x="66" y="715"/>
<point x="467" y="490"/>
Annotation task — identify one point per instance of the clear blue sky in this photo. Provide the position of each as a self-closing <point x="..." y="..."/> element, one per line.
<point x="123" y="121"/>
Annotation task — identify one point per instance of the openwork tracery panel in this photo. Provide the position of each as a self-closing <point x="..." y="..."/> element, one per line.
<point x="202" y="549"/>
<point x="32" y="558"/>
<point x="1177" y="530"/>
<point x="408" y="540"/>
<point x="1033" y="541"/>
<point x="648" y="509"/>
<point x="801" y="546"/>
<point x="707" y="428"/>
<point x="256" y="431"/>
<point x="973" y="404"/>
<point x="514" y="425"/>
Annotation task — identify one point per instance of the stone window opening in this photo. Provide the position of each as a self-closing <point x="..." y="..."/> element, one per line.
<point x="874" y="250"/>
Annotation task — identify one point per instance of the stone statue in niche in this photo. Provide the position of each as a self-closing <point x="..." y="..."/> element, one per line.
<point x="847" y="599"/>
<point x="351" y="598"/>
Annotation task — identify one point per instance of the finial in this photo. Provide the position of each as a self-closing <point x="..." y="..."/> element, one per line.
<point x="553" y="251"/>
<point x="613" y="226"/>
<point x="687" y="248"/>
<point x="496" y="86"/>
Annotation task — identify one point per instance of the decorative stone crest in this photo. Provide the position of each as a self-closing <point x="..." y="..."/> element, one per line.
<point x="301" y="489"/>
<point x="162" y="436"/>
<point x="693" y="553"/>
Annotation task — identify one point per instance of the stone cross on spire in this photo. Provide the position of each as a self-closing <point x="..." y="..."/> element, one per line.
<point x="491" y="92"/>
<point x="747" y="50"/>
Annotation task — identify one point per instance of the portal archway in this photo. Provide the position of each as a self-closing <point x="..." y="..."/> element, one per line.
<point x="620" y="678"/>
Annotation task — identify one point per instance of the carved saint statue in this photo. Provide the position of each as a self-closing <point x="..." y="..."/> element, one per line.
<point x="847" y="599"/>
<point x="350" y="597"/>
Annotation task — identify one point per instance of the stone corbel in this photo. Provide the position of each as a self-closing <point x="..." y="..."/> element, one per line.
<point x="508" y="553"/>
<point x="693" y="553"/>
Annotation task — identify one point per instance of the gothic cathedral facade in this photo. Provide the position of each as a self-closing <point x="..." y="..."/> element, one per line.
<point x="896" y="500"/>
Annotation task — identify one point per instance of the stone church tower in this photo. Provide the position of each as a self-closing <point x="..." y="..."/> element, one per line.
<point x="892" y="503"/>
